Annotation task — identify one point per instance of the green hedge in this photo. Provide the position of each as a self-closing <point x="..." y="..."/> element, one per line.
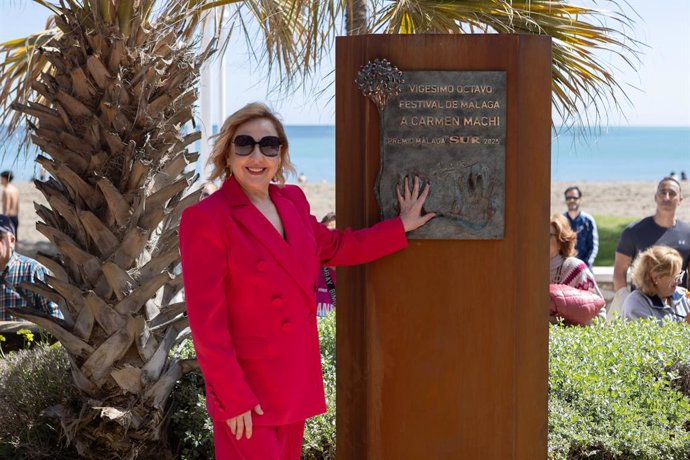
<point x="319" y="432"/>
<point x="616" y="391"/>
<point x="31" y="381"/>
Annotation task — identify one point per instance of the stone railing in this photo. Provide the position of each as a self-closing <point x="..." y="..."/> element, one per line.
<point x="604" y="277"/>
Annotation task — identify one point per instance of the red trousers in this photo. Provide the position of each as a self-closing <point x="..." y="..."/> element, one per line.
<point x="282" y="442"/>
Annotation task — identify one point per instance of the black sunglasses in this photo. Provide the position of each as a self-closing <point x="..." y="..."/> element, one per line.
<point x="572" y="198"/>
<point x="268" y="145"/>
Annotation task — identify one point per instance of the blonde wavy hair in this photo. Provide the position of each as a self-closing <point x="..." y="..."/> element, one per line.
<point x="565" y="236"/>
<point x="222" y="146"/>
<point x="657" y="260"/>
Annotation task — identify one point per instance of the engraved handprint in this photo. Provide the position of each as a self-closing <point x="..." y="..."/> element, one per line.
<point x="462" y="192"/>
<point x="474" y="201"/>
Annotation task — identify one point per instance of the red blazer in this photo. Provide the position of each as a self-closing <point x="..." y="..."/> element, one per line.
<point x="251" y="298"/>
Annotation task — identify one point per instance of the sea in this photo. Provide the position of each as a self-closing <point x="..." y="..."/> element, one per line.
<point x="606" y="154"/>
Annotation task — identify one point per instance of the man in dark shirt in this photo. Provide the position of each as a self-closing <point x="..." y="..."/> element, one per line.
<point x="663" y="228"/>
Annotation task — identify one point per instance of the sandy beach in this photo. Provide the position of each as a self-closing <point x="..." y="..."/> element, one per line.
<point x="624" y="199"/>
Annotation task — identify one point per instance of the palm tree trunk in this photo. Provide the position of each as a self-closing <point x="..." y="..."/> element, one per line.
<point x="109" y="121"/>
<point x="356" y="17"/>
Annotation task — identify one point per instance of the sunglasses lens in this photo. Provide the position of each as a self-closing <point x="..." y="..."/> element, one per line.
<point x="243" y="144"/>
<point x="270" y="146"/>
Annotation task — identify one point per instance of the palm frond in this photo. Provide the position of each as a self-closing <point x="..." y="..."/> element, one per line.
<point x="288" y="38"/>
<point x="582" y="36"/>
<point x="22" y="65"/>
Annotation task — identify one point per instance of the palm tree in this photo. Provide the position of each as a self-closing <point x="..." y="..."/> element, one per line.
<point x="356" y="13"/>
<point x="107" y="92"/>
<point x="110" y="98"/>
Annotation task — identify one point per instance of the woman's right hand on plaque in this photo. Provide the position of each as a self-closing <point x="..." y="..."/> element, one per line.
<point x="411" y="203"/>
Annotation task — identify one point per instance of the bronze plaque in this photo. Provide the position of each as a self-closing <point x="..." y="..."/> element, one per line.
<point x="448" y="128"/>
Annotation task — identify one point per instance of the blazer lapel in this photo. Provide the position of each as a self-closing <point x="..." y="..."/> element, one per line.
<point x="300" y="239"/>
<point x="286" y="253"/>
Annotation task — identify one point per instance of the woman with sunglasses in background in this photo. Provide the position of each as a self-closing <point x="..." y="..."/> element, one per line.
<point x="656" y="273"/>
<point x="251" y="254"/>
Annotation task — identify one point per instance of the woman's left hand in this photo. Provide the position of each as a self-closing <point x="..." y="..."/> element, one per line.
<point x="411" y="202"/>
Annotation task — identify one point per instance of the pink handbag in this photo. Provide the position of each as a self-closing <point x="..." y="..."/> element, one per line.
<point x="574" y="305"/>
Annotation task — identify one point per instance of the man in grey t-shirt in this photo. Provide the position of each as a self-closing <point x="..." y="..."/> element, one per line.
<point x="663" y="228"/>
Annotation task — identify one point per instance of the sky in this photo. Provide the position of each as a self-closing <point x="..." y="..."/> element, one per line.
<point x="659" y="89"/>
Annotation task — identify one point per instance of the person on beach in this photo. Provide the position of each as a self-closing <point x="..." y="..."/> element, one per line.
<point x="207" y="190"/>
<point x="10" y="199"/>
<point x="16" y="269"/>
<point x="663" y="228"/>
<point x="251" y="254"/>
<point x="325" y="293"/>
<point x="657" y="274"/>
<point x="583" y="225"/>
<point x="564" y="267"/>
<point x="42" y="174"/>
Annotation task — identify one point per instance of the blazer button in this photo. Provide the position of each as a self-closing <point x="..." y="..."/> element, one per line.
<point x="286" y="326"/>
<point x="277" y="301"/>
<point x="261" y="266"/>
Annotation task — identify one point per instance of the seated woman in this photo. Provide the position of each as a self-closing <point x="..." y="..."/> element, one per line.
<point x="656" y="274"/>
<point x="567" y="269"/>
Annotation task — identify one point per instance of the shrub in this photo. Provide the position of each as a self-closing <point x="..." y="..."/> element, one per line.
<point x="319" y="432"/>
<point x="614" y="391"/>
<point x="191" y="426"/>
<point x="193" y="430"/>
<point x="30" y="382"/>
<point x="680" y="377"/>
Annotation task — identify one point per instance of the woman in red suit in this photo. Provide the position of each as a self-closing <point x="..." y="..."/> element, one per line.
<point x="251" y="254"/>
